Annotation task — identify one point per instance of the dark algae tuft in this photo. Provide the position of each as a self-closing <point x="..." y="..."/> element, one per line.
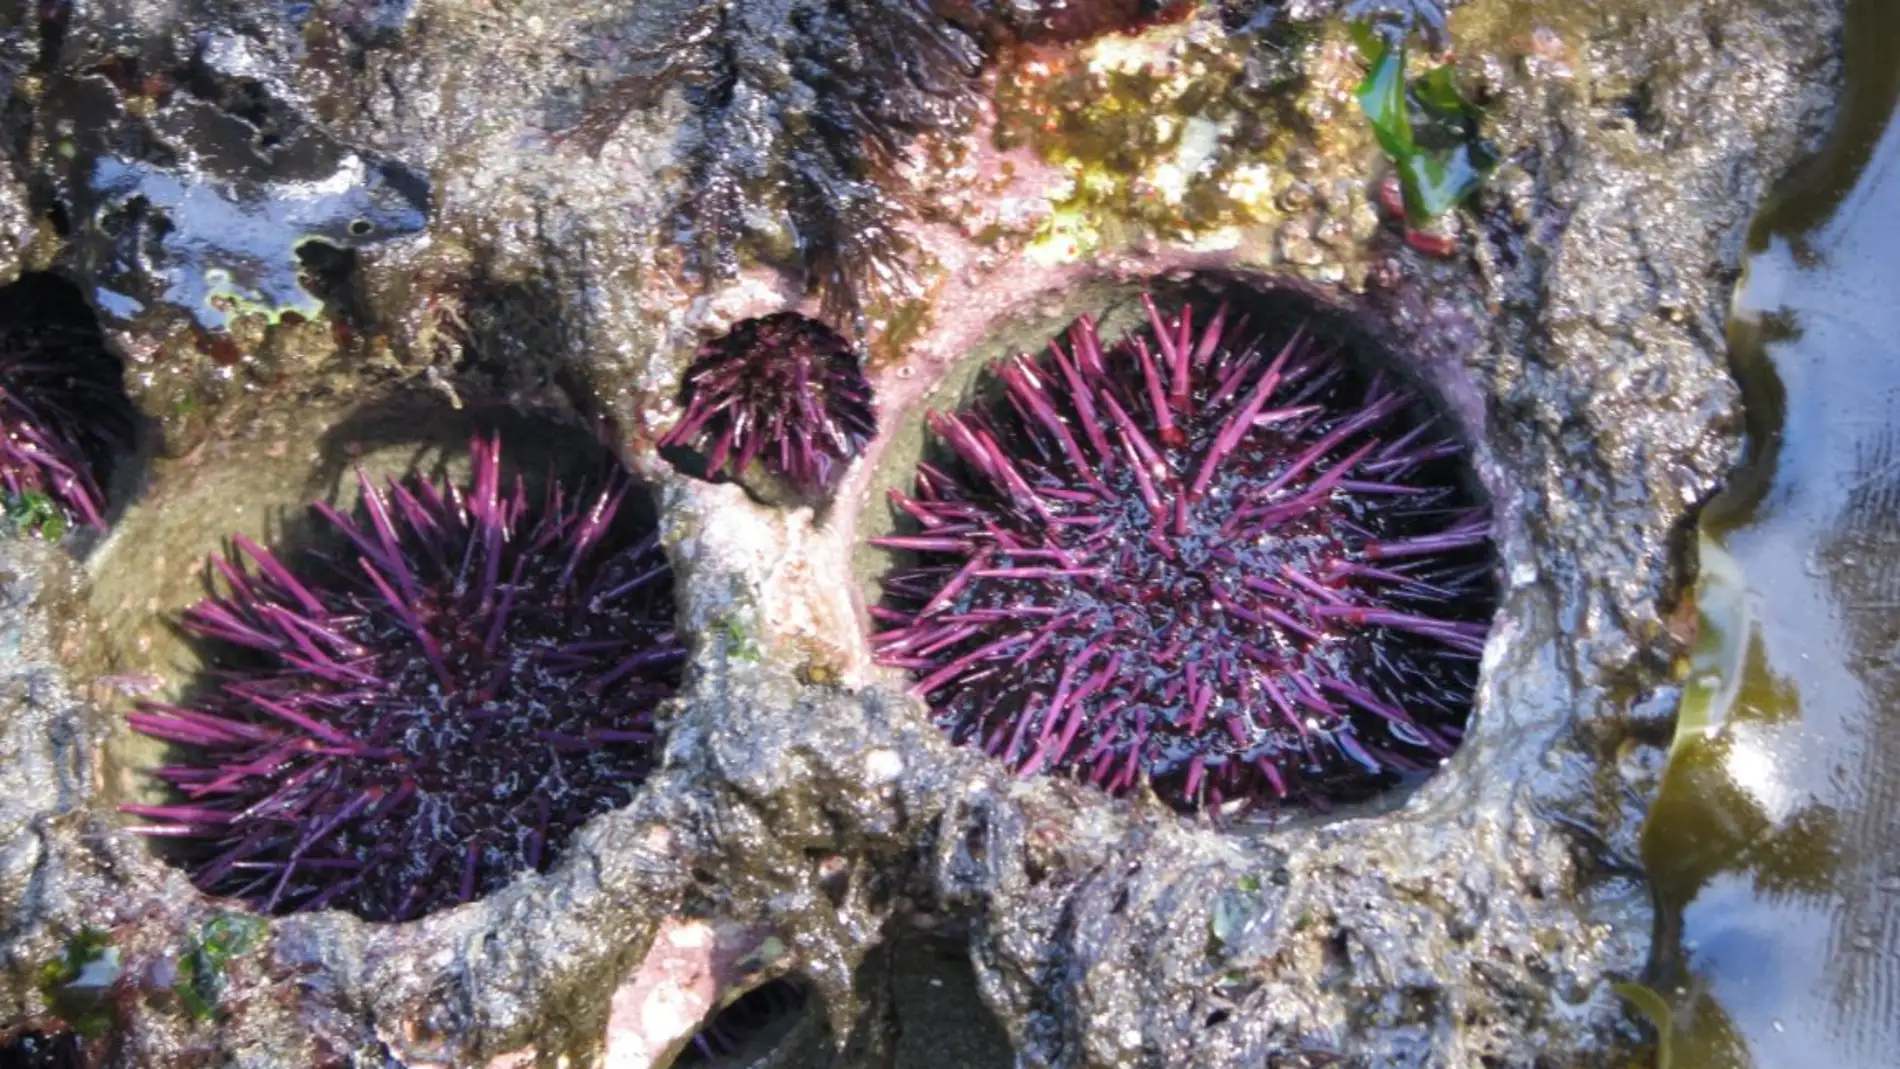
<point x="1209" y="558"/>
<point x="1055" y="21"/>
<point x="803" y="108"/>
<point x="406" y="723"/>
<point x="784" y="391"/>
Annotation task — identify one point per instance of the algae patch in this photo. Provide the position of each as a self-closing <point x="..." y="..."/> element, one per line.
<point x="202" y="968"/>
<point x="34" y="514"/>
<point x="1174" y="133"/>
<point x="76" y="984"/>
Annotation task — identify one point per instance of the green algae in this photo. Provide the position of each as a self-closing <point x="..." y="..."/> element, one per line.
<point x="1655" y="1009"/>
<point x="76" y="983"/>
<point x="1166" y="134"/>
<point x="213" y="947"/>
<point x="741" y="641"/>
<point x="1424" y="124"/>
<point x="1233" y="911"/>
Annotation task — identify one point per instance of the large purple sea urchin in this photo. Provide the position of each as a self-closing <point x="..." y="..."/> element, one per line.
<point x="62" y="405"/>
<point x="784" y="390"/>
<point x="1204" y="559"/>
<point x="427" y="712"/>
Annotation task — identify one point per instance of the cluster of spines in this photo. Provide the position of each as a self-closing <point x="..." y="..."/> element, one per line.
<point x="783" y="390"/>
<point x="1195" y="562"/>
<point x="429" y="710"/>
<point x="62" y="406"/>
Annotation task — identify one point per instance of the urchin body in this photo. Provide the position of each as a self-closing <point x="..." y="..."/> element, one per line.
<point x="417" y="718"/>
<point x="1205" y="560"/>
<point x="784" y="391"/>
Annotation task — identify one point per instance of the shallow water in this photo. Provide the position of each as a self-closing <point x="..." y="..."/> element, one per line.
<point x="1776" y="843"/>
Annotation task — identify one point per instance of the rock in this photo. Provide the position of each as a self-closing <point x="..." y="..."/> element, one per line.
<point x="531" y="172"/>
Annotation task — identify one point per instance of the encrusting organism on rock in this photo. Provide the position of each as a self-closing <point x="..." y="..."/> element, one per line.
<point x="63" y="409"/>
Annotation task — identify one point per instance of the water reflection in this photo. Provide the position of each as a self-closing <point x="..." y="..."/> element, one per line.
<point x="1776" y="843"/>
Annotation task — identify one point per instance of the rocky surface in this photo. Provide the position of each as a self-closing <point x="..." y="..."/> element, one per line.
<point x="330" y="231"/>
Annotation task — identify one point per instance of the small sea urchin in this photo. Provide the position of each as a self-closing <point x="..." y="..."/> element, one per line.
<point x="784" y="390"/>
<point x="1204" y="559"/>
<point x="62" y="405"/>
<point x="427" y="712"/>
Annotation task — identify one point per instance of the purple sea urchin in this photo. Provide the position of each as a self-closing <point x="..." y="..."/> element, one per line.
<point x="783" y="390"/>
<point x="1204" y="559"/>
<point x="427" y="712"/>
<point x="62" y="405"/>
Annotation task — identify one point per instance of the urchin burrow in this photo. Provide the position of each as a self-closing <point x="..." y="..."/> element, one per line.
<point x="1220" y="557"/>
<point x="410" y="718"/>
<point x="63" y="409"/>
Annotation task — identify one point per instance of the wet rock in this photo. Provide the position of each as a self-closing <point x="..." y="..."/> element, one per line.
<point x="16" y="229"/>
<point x="191" y="206"/>
<point x="1575" y="334"/>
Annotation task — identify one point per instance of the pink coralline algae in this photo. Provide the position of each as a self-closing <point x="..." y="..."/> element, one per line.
<point x="1217" y="561"/>
<point x="410" y="721"/>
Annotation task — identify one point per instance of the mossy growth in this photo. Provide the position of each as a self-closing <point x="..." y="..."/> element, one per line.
<point x="76" y="984"/>
<point x="207" y="958"/>
<point x="740" y="642"/>
<point x="34" y="514"/>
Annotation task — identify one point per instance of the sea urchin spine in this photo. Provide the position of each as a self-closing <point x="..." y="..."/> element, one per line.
<point x="427" y="712"/>
<point x="62" y="406"/>
<point x="783" y="390"/>
<point x="1194" y="560"/>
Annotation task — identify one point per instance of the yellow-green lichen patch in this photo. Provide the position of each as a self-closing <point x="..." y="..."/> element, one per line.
<point x="1184" y="133"/>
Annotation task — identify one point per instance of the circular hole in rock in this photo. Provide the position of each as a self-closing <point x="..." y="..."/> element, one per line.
<point x="779" y="404"/>
<point x="333" y="274"/>
<point x="65" y="419"/>
<point x="933" y="1017"/>
<point x="1221" y="543"/>
<point x="395" y="699"/>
